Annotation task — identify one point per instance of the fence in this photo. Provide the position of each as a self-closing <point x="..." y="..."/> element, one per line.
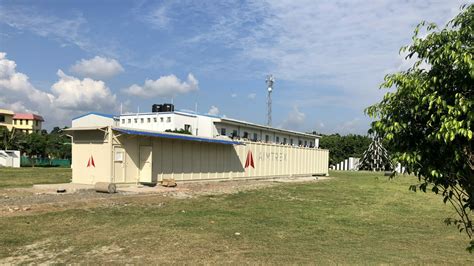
<point x="44" y="162"/>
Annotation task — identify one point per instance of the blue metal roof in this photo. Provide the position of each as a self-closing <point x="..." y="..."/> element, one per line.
<point x="94" y="113"/>
<point x="175" y="136"/>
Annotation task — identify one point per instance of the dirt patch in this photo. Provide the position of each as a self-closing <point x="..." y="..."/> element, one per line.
<point x="27" y="201"/>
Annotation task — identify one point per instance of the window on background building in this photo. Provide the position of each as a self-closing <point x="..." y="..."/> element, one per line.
<point x="267" y="138"/>
<point x="14" y="122"/>
<point x="168" y="119"/>
<point x="162" y="119"/>
<point x="300" y="142"/>
<point x="142" y="120"/>
<point x="277" y="140"/>
<point x="37" y="122"/>
<point x="246" y="135"/>
<point x="311" y="144"/>
<point x="305" y="143"/>
<point x="129" y="121"/>
<point x="234" y="133"/>
<point x="255" y="138"/>
<point x="187" y="127"/>
<point x="155" y="120"/>
<point x="291" y="141"/>
<point x="21" y="121"/>
<point x="148" y="120"/>
<point x="135" y="120"/>
<point x="2" y="119"/>
<point x="223" y="131"/>
<point x="284" y="140"/>
<point x="123" y="121"/>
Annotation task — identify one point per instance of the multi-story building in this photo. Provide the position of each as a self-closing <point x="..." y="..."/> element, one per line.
<point x="213" y="126"/>
<point x="27" y="123"/>
<point x="6" y="119"/>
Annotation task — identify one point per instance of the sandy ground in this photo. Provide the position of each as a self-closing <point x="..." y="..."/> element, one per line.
<point x="44" y="198"/>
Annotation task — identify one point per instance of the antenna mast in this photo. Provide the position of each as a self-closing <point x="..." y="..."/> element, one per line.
<point x="270" y="80"/>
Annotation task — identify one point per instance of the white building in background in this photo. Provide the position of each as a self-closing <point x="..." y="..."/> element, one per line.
<point x="210" y="126"/>
<point x="10" y="158"/>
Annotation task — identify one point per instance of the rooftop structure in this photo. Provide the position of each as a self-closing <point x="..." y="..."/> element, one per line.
<point x="24" y="122"/>
<point x="28" y="123"/>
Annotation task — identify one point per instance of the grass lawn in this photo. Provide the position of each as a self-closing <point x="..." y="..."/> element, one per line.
<point x="354" y="218"/>
<point x="28" y="176"/>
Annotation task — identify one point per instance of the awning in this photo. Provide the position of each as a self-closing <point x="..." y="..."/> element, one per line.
<point x="168" y="135"/>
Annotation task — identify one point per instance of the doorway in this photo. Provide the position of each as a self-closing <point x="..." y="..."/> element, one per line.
<point x="145" y="164"/>
<point x="119" y="165"/>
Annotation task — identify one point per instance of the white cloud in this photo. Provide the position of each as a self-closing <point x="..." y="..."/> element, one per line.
<point x="213" y="110"/>
<point x="17" y="92"/>
<point x="294" y="120"/>
<point x="87" y="94"/>
<point x="157" y="17"/>
<point x="252" y="96"/>
<point x="233" y="95"/>
<point x="97" y="68"/>
<point x="68" y="97"/>
<point x="72" y="30"/>
<point x="165" y="86"/>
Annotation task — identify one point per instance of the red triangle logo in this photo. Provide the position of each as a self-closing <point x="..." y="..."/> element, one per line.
<point x="249" y="160"/>
<point x="91" y="162"/>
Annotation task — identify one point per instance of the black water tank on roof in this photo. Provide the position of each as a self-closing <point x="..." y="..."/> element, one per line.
<point x="157" y="108"/>
<point x="168" y="107"/>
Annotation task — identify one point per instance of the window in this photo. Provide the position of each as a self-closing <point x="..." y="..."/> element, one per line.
<point x="142" y="120"/>
<point x="2" y="119"/>
<point x="187" y="127"/>
<point x="129" y="121"/>
<point x="255" y="138"/>
<point x="168" y="119"/>
<point x="148" y="120"/>
<point x="223" y="131"/>
<point x="14" y="122"/>
<point x="162" y="119"/>
<point x="135" y="120"/>
<point x="267" y="138"/>
<point x="291" y="141"/>
<point x="277" y="140"/>
<point x="234" y="133"/>
<point x="154" y="119"/>
<point x="311" y="144"/>
<point x="300" y="142"/>
<point x="284" y="140"/>
<point x="123" y="121"/>
<point x="21" y="121"/>
<point x="246" y="135"/>
<point x="305" y="143"/>
<point x="37" y="122"/>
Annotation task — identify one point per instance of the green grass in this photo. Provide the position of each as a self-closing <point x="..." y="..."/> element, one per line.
<point x="28" y="176"/>
<point x="355" y="218"/>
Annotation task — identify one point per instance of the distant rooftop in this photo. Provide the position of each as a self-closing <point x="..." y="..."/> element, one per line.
<point x="28" y="117"/>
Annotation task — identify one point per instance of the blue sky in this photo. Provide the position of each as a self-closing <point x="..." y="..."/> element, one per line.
<point x="64" y="58"/>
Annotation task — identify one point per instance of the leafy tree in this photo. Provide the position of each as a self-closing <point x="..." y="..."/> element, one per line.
<point x="343" y="147"/>
<point x="428" y="120"/>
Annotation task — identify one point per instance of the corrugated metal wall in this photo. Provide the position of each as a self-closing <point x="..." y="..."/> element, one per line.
<point x="186" y="160"/>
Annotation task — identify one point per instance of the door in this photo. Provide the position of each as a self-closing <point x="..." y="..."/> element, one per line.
<point x="119" y="165"/>
<point x="145" y="164"/>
